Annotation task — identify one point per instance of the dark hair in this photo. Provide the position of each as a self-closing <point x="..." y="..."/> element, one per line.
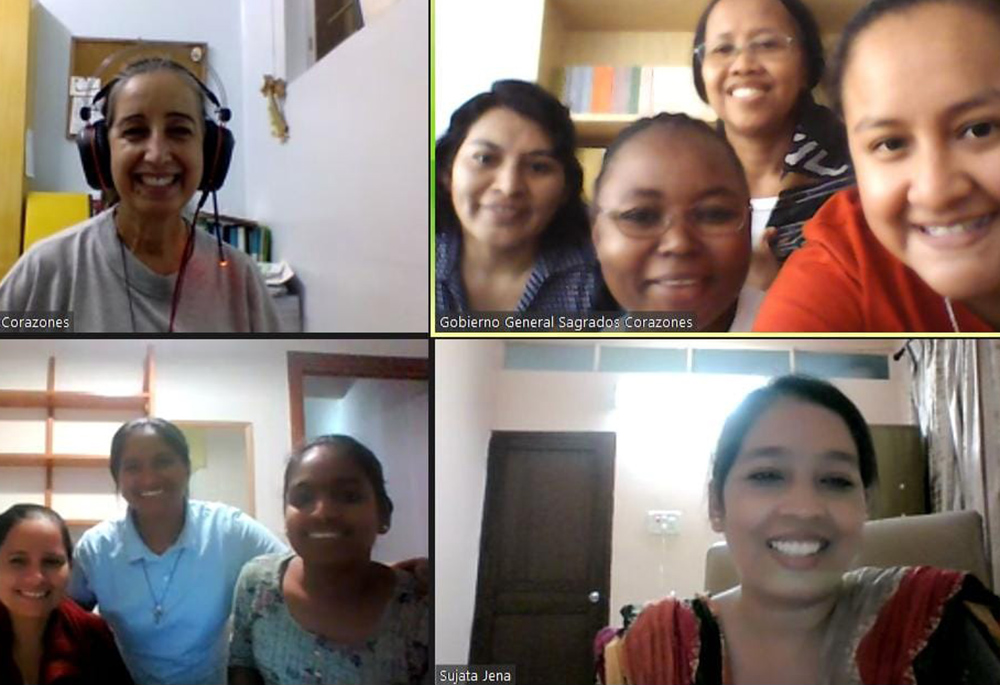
<point x="23" y="512"/>
<point x="809" y="37"/>
<point x="803" y="388"/>
<point x="868" y="15"/>
<point x="362" y="456"/>
<point x="680" y="123"/>
<point x="569" y="225"/>
<point x="163" y="429"/>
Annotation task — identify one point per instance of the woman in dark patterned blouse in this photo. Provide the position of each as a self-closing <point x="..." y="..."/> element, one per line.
<point x="756" y="63"/>
<point x="511" y="227"/>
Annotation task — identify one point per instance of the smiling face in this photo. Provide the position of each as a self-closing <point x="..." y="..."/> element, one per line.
<point x="506" y="185"/>
<point x="331" y="511"/>
<point x="921" y="98"/>
<point x="152" y="477"/>
<point x="793" y="503"/>
<point x="156" y="142"/>
<point x="754" y="94"/>
<point x="34" y="568"/>
<point x="658" y="172"/>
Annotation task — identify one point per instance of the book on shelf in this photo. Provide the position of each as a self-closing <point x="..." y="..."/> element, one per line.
<point x="642" y="90"/>
<point x="246" y="236"/>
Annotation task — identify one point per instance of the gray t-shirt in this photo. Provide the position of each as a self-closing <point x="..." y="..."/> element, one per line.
<point x="80" y="270"/>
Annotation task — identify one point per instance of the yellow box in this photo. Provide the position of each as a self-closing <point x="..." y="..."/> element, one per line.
<point x="49" y="213"/>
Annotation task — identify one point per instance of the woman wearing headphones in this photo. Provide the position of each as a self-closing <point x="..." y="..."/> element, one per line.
<point x="140" y="266"/>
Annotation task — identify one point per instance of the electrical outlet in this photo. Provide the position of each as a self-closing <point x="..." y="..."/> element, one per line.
<point x="661" y="522"/>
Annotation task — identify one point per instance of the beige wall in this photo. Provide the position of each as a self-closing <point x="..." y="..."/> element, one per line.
<point x="464" y="397"/>
<point x="661" y="463"/>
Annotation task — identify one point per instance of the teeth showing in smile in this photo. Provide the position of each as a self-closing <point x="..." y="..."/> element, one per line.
<point x="954" y="229"/>
<point x="34" y="595"/>
<point x="679" y="282"/>
<point x="157" y="180"/>
<point x="745" y="92"/>
<point x="333" y="535"/>
<point x="151" y="493"/>
<point x="796" y="548"/>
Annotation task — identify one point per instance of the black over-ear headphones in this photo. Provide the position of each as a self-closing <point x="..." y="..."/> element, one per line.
<point x="95" y="150"/>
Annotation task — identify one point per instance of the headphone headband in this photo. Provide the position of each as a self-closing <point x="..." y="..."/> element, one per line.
<point x="95" y="149"/>
<point x="224" y="114"/>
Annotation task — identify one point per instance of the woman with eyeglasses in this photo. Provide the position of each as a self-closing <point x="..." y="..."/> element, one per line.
<point x="756" y="63"/>
<point x="670" y="224"/>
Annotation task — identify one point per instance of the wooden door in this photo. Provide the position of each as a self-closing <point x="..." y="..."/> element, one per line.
<point x="14" y="46"/>
<point x="545" y="555"/>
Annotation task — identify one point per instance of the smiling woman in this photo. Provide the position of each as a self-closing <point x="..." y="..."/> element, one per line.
<point x="791" y="484"/>
<point x="141" y="265"/>
<point x="45" y="637"/>
<point x="511" y="226"/>
<point x="916" y="247"/>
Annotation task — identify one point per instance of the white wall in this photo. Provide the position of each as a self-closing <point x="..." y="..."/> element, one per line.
<point x="464" y="396"/>
<point x="347" y="195"/>
<point x="390" y="417"/>
<point x="662" y="461"/>
<point x="478" y="42"/>
<point x="57" y="162"/>
<point x="206" y="380"/>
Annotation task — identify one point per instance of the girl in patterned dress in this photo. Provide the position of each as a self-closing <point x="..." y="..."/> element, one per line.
<point x="328" y="613"/>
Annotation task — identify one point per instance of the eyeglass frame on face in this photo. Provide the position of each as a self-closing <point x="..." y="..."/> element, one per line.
<point x="753" y="46"/>
<point x="663" y="226"/>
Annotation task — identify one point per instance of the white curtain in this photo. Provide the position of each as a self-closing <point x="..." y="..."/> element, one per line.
<point x="956" y="394"/>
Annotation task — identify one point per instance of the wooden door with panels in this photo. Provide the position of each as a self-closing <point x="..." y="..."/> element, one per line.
<point x="545" y="554"/>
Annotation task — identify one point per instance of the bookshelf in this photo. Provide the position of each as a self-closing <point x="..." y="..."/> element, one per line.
<point x="51" y="400"/>
<point x="638" y="32"/>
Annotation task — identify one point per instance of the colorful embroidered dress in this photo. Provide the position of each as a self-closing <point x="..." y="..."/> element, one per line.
<point x="904" y="626"/>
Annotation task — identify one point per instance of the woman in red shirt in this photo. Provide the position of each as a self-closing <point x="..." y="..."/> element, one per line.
<point x="916" y="247"/>
<point x="44" y="636"/>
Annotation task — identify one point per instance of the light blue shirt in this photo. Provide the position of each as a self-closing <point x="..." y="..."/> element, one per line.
<point x="111" y="565"/>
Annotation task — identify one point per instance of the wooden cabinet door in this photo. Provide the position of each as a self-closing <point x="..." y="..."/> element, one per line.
<point x="15" y="17"/>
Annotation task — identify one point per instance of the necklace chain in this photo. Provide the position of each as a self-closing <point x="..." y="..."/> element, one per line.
<point x="951" y="315"/>
<point x="158" y="603"/>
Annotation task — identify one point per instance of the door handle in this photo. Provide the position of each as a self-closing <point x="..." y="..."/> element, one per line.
<point x="594" y="597"/>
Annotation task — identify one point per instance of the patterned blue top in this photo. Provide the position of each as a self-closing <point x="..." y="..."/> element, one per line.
<point x="564" y="280"/>
<point x="268" y="639"/>
<point x="193" y="582"/>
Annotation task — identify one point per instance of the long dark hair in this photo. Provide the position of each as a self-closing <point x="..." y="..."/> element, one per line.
<point x="569" y="225"/>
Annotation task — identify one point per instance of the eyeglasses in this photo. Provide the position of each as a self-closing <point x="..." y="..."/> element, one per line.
<point x="711" y="221"/>
<point x="763" y="46"/>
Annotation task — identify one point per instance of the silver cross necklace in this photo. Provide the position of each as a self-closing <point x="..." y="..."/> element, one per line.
<point x="158" y="602"/>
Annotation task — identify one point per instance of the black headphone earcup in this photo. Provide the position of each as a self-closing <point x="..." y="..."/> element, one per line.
<point x="217" y="154"/>
<point x="95" y="155"/>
